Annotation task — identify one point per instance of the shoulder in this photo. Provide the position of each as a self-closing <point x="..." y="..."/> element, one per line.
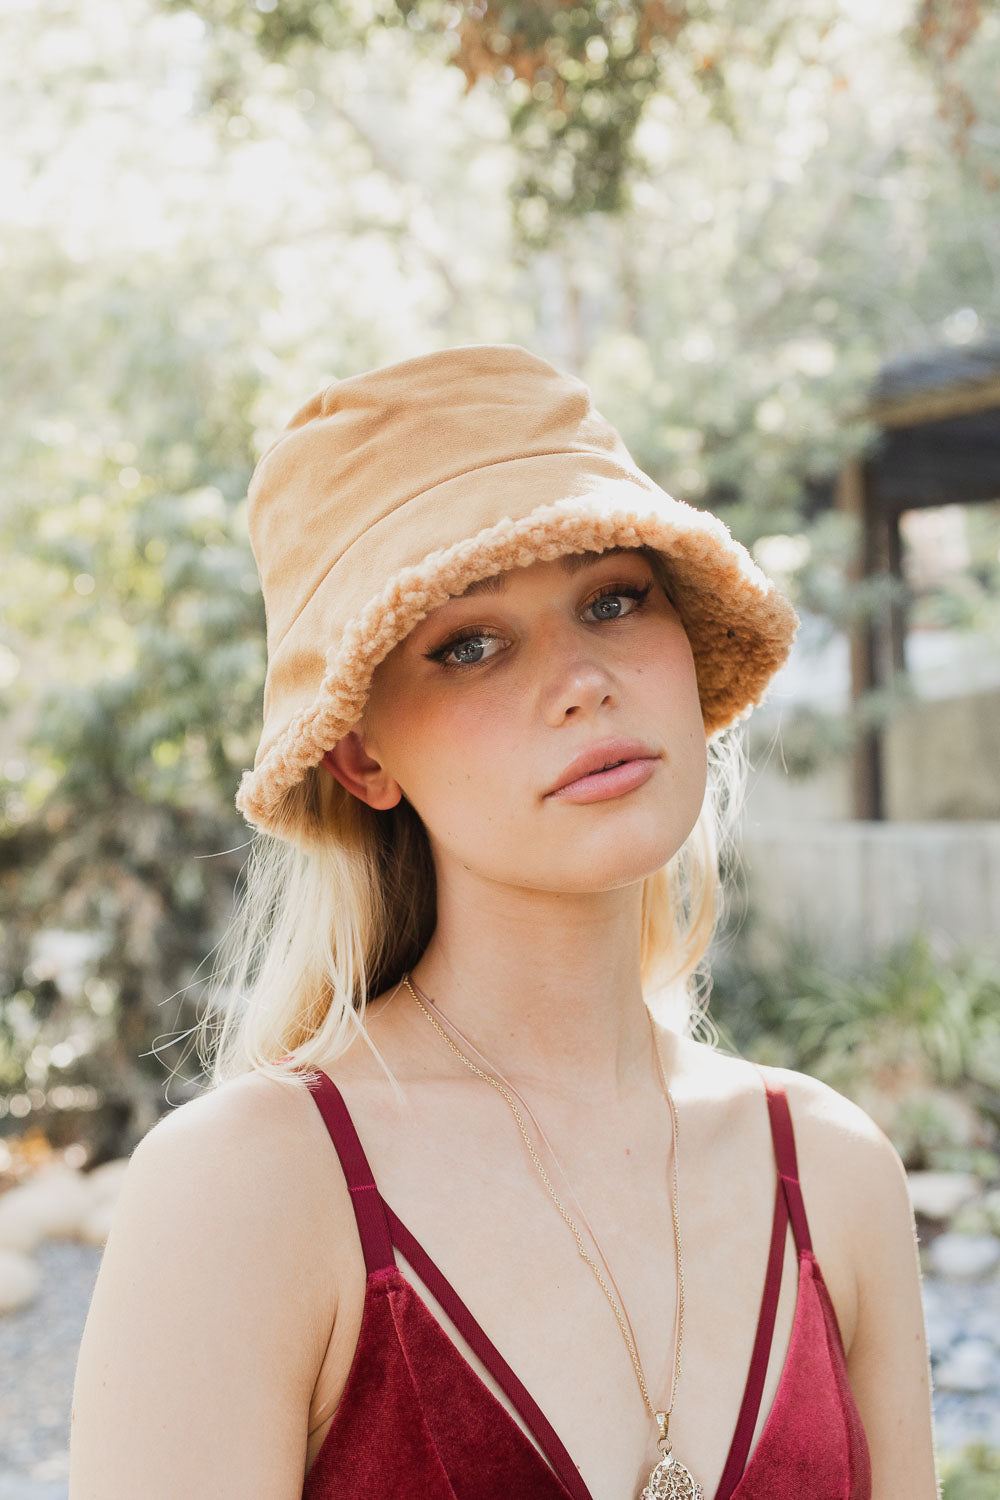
<point x="826" y="1124"/>
<point x="856" y="1194"/>
<point x="848" y="1166"/>
<point x="239" y="1144"/>
<point x="213" y="1305"/>
<point x="252" y="1108"/>
<point x="853" y="1180"/>
<point x="854" y="1184"/>
<point x="254" y="1147"/>
<point x="833" y="1135"/>
<point x="243" y="1184"/>
<point x="839" y="1140"/>
<point x="240" y="1166"/>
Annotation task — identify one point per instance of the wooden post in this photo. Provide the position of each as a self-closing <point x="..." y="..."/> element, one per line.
<point x="897" y="609"/>
<point x="854" y="497"/>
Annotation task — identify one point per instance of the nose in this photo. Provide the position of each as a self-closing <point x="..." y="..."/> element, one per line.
<point x="578" y="684"/>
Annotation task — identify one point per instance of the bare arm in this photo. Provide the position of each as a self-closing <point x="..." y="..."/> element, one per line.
<point x="856" y="1186"/>
<point x="207" y="1327"/>
<point x="888" y="1361"/>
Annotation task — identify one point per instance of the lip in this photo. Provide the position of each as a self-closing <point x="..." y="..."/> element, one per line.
<point x="584" y="780"/>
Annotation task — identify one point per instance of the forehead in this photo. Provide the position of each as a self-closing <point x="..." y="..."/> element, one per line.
<point x="569" y="562"/>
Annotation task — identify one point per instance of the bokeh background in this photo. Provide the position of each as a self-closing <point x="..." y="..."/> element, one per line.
<point x="767" y="234"/>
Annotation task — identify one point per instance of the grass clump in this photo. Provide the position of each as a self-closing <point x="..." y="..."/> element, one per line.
<point x="914" y="1039"/>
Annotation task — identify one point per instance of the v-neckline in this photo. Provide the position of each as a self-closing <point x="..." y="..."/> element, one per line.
<point x="383" y="1232"/>
<point x="553" y="1451"/>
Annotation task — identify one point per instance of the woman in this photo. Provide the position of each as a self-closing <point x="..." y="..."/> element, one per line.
<point x="448" y="1141"/>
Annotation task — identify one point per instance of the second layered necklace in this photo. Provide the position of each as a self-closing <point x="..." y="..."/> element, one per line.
<point x="669" y="1479"/>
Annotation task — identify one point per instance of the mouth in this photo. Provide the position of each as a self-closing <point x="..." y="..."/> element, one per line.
<point x="609" y="766"/>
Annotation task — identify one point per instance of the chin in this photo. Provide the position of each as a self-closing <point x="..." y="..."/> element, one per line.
<point x="610" y="866"/>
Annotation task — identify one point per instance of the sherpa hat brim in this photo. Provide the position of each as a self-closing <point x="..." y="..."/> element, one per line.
<point x="740" y="626"/>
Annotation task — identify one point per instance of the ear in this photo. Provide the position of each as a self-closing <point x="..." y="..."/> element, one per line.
<point x="361" y="774"/>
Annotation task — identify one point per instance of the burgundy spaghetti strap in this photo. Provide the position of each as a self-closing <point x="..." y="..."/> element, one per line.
<point x="369" y="1210"/>
<point x="788" y="1166"/>
<point x="379" y="1228"/>
<point x="490" y="1356"/>
<point x="787" y="1201"/>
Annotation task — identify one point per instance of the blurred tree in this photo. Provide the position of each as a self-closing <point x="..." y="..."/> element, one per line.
<point x="212" y="210"/>
<point x="139" y="706"/>
<point x="575" y="75"/>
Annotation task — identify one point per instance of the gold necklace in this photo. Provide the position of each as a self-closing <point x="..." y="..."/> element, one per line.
<point x="457" y="1032"/>
<point x="669" y="1479"/>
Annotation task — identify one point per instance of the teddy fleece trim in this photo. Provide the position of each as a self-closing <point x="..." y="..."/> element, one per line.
<point x="737" y="601"/>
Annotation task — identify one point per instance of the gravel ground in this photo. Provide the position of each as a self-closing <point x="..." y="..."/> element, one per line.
<point x="38" y="1348"/>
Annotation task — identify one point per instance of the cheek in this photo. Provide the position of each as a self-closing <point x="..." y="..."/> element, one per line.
<point x="672" y="693"/>
<point x="465" y="752"/>
<point x="669" y="665"/>
<point x="448" y="759"/>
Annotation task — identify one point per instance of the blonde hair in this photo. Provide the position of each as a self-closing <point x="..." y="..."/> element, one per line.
<point x="342" y="904"/>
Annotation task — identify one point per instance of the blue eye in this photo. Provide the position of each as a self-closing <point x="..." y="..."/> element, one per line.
<point x="466" y="652"/>
<point x="608" y="608"/>
<point x="616" y="602"/>
<point x="470" y="650"/>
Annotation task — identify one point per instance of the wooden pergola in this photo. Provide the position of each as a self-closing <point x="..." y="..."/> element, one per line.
<point x="939" y="444"/>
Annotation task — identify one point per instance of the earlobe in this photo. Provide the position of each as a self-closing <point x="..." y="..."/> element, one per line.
<point x="363" y="776"/>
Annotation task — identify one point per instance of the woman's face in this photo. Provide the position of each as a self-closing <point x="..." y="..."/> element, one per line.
<point x="495" y="714"/>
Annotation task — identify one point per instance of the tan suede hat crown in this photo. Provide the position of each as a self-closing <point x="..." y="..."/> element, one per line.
<point x="392" y="490"/>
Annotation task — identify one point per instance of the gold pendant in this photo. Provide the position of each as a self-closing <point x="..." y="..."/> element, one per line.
<point x="670" y="1480"/>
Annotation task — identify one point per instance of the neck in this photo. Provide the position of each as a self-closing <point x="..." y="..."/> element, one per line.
<point x="546" y="985"/>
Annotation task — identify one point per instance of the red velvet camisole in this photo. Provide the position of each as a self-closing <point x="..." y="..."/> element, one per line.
<point x="416" y="1422"/>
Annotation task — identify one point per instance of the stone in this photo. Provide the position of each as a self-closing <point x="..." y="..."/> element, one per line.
<point x="973" y="1365"/>
<point x="971" y="1218"/>
<point x="105" y="1184"/>
<point x="20" y="1279"/>
<point x="105" y="1181"/>
<point x="939" y="1195"/>
<point x="964" y="1257"/>
<point x="52" y="1203"/>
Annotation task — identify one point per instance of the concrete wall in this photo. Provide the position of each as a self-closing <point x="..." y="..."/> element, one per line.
<point x="942" y="760"/>
<point x="855" y="889"/>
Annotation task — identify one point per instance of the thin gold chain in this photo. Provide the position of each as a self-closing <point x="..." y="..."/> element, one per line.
<point x="612" y="1302"/>
<point x="677" y="1231"/>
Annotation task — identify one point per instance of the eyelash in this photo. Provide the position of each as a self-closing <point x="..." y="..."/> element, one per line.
<point x="639" y="592"/>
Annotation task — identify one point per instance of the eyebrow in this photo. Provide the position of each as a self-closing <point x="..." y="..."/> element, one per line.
<point x="570" y="562"/>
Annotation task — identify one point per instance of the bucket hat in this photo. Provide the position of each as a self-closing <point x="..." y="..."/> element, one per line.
<point x="392" y="490"/>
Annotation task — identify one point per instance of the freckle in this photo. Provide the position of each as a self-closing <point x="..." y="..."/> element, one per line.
<point x="628" y="1151"/>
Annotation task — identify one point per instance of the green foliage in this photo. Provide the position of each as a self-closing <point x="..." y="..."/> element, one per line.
<point x="125" y="519"/>
<point x="134" y="655"/>
<point x="973" y="1473"/>
<point x="914" y="1039"/>
<point x="576" y="79"/>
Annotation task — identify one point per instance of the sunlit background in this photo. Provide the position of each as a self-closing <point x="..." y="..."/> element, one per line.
<point x="768" y="236"/>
